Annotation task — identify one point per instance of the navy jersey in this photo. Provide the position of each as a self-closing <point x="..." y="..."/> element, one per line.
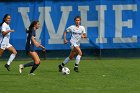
<point x="29" y="43"/>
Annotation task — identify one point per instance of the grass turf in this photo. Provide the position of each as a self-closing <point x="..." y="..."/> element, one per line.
<point x="96" y="76"/>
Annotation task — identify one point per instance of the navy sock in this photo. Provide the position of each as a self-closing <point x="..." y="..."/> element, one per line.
<point x="76" y="65"/>
<point x="62" y="64"/>
<point x="29" y="64"/>
<point x="34" y="68"/>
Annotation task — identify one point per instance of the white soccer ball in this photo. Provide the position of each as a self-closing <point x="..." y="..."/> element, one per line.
<point x="65" y="71"/>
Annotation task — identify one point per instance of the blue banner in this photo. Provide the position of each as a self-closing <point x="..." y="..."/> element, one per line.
<point x="109" y="23"/>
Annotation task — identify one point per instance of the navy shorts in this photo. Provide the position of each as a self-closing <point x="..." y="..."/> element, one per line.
<point x="30" y="49"/>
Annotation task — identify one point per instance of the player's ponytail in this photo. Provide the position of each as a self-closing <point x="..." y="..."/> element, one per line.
<point x="5" y="16"/>
<point x="28" y="30"/>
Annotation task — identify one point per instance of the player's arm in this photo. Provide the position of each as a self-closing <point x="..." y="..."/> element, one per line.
<point x="6" y="32"/>
<point x="65" y="40"/>
<point x="65" y="34"/>
<point x="37" y="44"/>
<point x="84" y="35"/>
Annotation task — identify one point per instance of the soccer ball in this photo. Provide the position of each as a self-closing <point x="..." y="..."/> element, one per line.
<point x="65" y="71"/>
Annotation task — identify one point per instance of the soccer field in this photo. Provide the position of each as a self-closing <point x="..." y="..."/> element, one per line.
<point x="95" y="76"/>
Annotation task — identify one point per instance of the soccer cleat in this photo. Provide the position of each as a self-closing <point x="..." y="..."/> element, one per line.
<point x="7" y="67"/>
<point x="76" y="69"/>
<point x="60" y="68"/>
<point x="31" y="74"/>
<point x="21" y="68"/>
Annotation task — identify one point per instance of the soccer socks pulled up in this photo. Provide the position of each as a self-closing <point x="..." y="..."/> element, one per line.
<point x="35" y="66"/>
<point x="63" y="64"/>
<point x="12" y="57"/>
<point x="77" y="60"/>
<point x="29" y="64"/>
<point x="65" y="61"/>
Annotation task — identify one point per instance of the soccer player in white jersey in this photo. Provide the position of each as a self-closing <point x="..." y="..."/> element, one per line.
<point x="4" y="40"/>
<point x="77" y="32"/>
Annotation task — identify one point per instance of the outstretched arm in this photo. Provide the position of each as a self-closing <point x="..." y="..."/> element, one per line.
<point x="6" y="32"/>
<point x="37" y="44"/>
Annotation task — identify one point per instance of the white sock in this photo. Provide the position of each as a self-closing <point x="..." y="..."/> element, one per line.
<point x="66" y="60"/>
<point x="11" y="59"/>
<point x="78" y="59"/>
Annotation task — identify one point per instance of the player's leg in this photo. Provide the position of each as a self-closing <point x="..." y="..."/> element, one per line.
<point x="1" y="52"/>
<point x="78" y="57"/>
<point x="22" y="66"/>
<point x="2" y="48"/>
<point x="30" y="64"/>
<point x="34" y="64"/>
<point x="71" y="56"/>
<point x="12" y="56"/>
<point x="36" y="59"/>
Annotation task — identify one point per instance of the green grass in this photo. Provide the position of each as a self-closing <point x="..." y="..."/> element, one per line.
<point x="96" y="76"/>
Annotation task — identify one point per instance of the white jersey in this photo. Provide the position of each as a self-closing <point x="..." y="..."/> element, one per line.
<point x="76" y="33"/>
<point x="1" y="36"/>
<point x="5" y="39"/>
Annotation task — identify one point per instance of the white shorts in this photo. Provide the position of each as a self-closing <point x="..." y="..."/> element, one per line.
<point x="74" y="44"/>
<point x="5" y="46"/>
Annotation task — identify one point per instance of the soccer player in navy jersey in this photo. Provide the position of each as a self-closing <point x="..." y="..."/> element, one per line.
<point x="30" y="48"/>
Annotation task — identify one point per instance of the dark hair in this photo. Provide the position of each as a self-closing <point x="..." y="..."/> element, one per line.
<point x="77" y="17"/>
<point x="31" y="26"/>
<point x="3" y="20"/>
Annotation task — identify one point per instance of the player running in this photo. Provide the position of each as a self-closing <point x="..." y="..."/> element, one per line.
<point x="77" y="32"/>
<point x="30" y="44"/>
<point x="5" y="38"/>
